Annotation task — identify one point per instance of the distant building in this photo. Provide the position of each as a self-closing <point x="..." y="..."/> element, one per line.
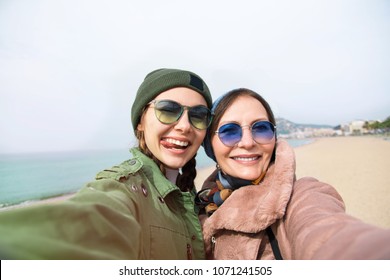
<point x="357" y="127"/>
<point x="287" y="129"/>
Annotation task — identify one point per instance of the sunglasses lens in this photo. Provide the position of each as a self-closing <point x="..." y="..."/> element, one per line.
<point x="200" y="116"/>
<point x="263" y="132"/>
<point x="230" y="134"/>
<point x="167" y="111"/>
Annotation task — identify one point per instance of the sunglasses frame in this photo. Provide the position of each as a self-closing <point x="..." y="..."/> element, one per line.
<point x="250" y="128"/>
<point x="182" y="109"/>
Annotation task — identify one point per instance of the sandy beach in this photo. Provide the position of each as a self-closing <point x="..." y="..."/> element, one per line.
<point x="358" y="167"/>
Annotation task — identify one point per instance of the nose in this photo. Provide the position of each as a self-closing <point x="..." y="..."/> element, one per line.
<point x="246" y="139"/>
<point x="183" y="123"/>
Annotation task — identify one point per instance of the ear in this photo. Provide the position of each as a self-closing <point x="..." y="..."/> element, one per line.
<point x="141" y="123"/>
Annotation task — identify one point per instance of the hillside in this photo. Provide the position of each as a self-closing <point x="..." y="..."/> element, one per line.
<point x="287" y="127"/>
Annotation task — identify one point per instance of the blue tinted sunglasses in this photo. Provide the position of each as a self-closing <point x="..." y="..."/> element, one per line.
<point x="231" y="133"/>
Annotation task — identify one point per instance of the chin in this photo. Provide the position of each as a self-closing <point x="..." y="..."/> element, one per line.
<point x="176" y="166"/>
<point x="249" y="177"/>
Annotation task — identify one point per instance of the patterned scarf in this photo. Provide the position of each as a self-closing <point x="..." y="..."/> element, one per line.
<point x="210" y="199"/>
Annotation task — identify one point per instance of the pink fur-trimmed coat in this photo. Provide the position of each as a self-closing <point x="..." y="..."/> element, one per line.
<point x="307" y="218"/>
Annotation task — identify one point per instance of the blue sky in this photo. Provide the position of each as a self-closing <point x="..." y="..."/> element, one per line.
<point x="69" y="70"/>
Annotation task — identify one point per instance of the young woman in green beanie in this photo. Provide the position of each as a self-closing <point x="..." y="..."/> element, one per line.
<point x="144" y="207"/>
<point x="253" y="207"/>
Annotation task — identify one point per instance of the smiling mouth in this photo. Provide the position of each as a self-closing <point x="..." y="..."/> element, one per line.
<point x="246" y="158"/>
<point x="174" y="144"/>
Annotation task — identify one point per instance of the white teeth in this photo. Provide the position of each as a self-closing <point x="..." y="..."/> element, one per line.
<point x="177" y="142"/>
<point x="245" y="158"/>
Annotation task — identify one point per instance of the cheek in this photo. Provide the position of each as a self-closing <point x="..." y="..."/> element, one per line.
<point x="220" y="150"/>
<point x="269" y="149"/>
<point x="216" y="144"/>
<point x="152" y="131"/>
<point x="199" y="136"/>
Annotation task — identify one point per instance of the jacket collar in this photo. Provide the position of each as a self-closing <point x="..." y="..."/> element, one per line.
<point x="253" y="208"/>
<point x="154" y="174"/>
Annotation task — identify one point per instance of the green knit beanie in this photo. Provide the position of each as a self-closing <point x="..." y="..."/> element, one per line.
<point x="162" y="80"/>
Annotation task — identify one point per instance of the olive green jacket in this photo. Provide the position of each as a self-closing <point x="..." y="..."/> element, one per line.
<point x="131" y="211"/>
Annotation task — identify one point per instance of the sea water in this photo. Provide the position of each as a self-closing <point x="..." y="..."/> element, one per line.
<point x="27" y="177"/>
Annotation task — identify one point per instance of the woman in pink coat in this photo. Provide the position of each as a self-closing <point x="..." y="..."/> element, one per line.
<point x="253" y="207"/>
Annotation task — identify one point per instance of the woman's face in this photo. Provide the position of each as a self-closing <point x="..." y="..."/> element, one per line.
<point x="247" y="159"/>
<point x="173" y="144"/>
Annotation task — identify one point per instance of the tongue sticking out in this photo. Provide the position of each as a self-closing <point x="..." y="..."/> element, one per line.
<point x="174" y="144"/>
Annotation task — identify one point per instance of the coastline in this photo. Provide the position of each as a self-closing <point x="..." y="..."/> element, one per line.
<point x="37" y="202"/>
<point x="356" y="166"/>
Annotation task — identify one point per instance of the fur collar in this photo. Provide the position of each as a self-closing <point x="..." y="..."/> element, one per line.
<point x="253" y="208"/>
